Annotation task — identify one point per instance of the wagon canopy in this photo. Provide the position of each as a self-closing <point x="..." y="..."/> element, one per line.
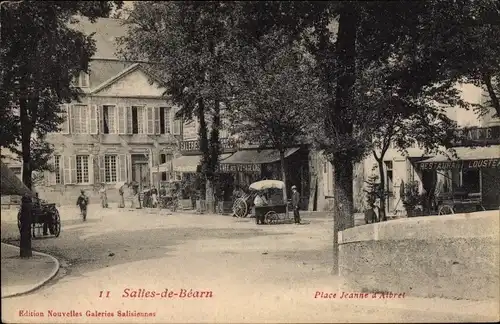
<point x="10" y="183"/>
<point x="267" y="184"/>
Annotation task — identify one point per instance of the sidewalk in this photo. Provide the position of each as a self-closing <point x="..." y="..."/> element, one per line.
<point x="20" y="276"/>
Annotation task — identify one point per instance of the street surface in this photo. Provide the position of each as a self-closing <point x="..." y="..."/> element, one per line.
<point x="203" y="268"/>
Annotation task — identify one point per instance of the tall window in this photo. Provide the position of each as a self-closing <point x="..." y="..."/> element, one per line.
<point x="57" y="166"/>
<point x="79" y="119"/>
<point x="109" y="119"/>
<point x="82" y="169"/>
<point x="138" y="120"/>
<point x="110" y="168"/>
<point x="165" y="120"/>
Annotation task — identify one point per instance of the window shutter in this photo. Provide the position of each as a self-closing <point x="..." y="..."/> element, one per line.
<point x="122" y="120"/>
<point x="168" y="120"/>
<point x="73" y="168"/>
<point x="150" y="123"/>
<point x="128" y="116"/>
<point x="66" y="170"/>
<point x="102" y="169"/>
<point x="176" y="123"/>
<point x="91" y="169"/>
<point x="157" y="120"/>
<point x="51" y="176"/>
<point x="66" y="122"/>
<point x="93" y="118"/>
<point x="101" y="119"/>
<point x="122" y="168"/>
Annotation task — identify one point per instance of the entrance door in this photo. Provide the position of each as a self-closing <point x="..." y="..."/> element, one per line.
<point x="140" y="169"/>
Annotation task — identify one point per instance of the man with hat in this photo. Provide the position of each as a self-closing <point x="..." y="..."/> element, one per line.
<point x="295" y="204"/>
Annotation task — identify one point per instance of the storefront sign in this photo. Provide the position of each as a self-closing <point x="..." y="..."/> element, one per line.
<point x="227" y="146"/>
<point x="228" y="168"/>
<point x="472" y="164"/>
<point x="478" y="136"/>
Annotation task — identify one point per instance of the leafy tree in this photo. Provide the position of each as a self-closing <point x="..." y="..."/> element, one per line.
<point x="190" y="44"/>
<point x="399" y="120"/>
<point x="277" y="89"/>
<point x="40" y="56"/>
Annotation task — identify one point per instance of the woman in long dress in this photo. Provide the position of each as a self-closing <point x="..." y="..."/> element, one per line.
<point x="104" y="196"/>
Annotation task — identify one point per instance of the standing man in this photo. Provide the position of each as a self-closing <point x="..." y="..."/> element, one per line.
<point x="295" y="204"/>
<point x="82" y="202"/>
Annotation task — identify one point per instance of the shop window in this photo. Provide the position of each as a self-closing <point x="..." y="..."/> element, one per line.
<point x="471" y="180"/>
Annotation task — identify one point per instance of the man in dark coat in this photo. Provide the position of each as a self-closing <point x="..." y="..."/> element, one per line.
<point x="295" y="204"/>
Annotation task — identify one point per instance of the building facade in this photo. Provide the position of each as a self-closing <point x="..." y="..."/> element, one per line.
<point x="415" y="165"/>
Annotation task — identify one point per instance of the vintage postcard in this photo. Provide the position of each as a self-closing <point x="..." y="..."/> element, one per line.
<point x="250" y="161"/>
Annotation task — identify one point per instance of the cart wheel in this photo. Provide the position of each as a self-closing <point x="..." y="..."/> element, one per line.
<point x="240" y="208"/>
<point x="19" y="220"/>
<point x="271" y="217"/>
<point x="446" y="210"/>
<point x="56" y="223"/>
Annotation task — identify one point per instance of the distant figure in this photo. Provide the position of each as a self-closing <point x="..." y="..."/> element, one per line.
<point x="295" y="204"/>
<point x="154" y="197"/>
<point x="104" y="196"/>
<point x="371" y="215"/>
<point x="122" y="199"/>
<point x="82" y="202"/>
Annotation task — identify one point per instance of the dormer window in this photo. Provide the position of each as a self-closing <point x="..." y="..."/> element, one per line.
<point x="83" y="80"/>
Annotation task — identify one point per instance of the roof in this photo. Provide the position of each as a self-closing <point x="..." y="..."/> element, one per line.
<point x="107" y="31"/>
<point x="127" y="71"/>
<point x="10" y="183"/>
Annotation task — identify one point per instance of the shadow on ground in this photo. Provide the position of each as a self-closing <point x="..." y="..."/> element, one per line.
<point x="115" y="248"/>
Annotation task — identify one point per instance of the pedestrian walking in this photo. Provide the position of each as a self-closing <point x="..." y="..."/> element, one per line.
<point x="82" y="202"/>
<point x="104" y="196"/>
<point x="295" y="205"/>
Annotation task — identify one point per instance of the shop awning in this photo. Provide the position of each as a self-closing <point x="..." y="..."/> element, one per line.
<point x="11" y="184"/>
<point x="469" y="158"/>
<point x="251" y="160"/>
<point x="257" y="157"/>
<point x="187" y="163"/>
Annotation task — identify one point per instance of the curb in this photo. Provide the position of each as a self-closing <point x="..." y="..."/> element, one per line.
<point x="43" y="281"/>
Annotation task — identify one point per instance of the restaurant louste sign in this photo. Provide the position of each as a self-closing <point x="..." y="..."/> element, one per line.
<point x="471" y="164"/>
<point x="227" y="146"/>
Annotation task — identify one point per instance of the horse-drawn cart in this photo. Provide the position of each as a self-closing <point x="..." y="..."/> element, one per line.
<point x="459" y="202"/>
<point x="44" y="217"/>
<point x="273" y="213"/>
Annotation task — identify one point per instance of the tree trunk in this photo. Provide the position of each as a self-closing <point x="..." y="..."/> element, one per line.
<point x="491" y="91"/>
<point x="382" y="215"/>
<point x="25" y="244"/>
<point x="345" y="53"/>
<point x="214" y="152"/>
<point x="283" y="177"/>
<point x="26" y="215"/>
<point x="209" y="194"/>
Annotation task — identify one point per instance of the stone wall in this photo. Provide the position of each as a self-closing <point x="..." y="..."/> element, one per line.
<point x="454" y="256"/>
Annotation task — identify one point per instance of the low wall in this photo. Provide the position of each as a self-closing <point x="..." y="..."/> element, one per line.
<point x="453" y="256"/>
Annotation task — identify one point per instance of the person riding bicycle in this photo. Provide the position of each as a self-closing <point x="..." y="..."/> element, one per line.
<point x="82" y="202"/>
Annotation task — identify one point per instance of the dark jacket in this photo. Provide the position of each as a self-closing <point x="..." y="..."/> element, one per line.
<point x="82" y="201"/>
<point x="295" y="199"/>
